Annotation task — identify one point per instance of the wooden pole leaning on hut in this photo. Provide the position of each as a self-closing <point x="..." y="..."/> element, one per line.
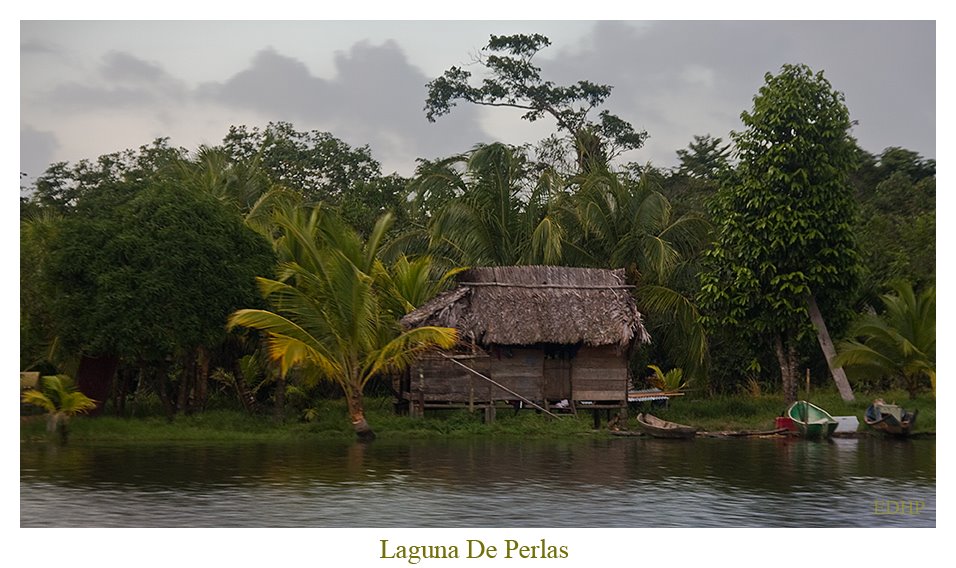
<point x="499" y="385"/>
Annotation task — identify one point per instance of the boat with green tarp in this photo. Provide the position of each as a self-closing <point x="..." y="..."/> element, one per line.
<point x="810" y="420"/>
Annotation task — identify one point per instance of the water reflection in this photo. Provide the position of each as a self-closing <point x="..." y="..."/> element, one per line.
<point x="629" y="482"/>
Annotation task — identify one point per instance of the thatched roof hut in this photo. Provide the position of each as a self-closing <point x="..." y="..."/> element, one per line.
<point x="525" y="305"/>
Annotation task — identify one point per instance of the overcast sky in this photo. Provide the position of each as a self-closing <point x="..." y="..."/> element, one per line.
<point x="88" y="88"/>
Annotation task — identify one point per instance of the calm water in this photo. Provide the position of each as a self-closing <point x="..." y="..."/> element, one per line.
<point x="622" y="482"/>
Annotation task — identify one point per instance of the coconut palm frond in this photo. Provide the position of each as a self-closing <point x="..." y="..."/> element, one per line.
<point x="401" y="351"/>
<point x="684" y="326"/>
<point x="899" y="342"/>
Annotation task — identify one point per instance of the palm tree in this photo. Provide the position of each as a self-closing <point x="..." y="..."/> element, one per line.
<point x="411" y="283"/>
<point x="671" y="381"/>
<point x="38" y="331"/>
<point x="61" y="400"/>
<point x="328" y="317"/>
<point x="494" y="209"/>
<point x="621" y="223"/>
<point x="214" y="171"/>
<point x="899" y="343"/>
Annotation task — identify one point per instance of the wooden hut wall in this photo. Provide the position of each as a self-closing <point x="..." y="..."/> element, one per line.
<point x="441" y="380"/>
<point x="599" y="373"/>
<point x="521" y="369"/>
<point x="557" y="379"/>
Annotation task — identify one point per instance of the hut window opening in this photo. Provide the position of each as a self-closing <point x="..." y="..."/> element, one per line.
<point x="560" y="351"/>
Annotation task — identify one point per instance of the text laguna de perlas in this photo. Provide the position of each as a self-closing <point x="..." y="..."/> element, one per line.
<point x="473" y="548"/>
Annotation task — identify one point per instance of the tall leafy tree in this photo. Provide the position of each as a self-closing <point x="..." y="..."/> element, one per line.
<point x="328" y="315"/>
<point x="704" y="158"/>
<point x="784" y="243"/>
<point x="61" y="187"/>
<point x="514" y="81"/>
<point x="314" y="163"/>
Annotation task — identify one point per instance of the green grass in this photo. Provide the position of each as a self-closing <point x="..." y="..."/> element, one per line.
<point x="331" y="422"/>
<point x="719" y="413"/>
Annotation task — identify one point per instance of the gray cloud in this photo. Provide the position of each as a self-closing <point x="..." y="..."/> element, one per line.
<point x="121" y="81"/>
<point x="36" y="150"/>
<point x="39" y="47"/>
<point x="376" y="97"/>
<point x="123" y="67"/>
<point x="677" y="79"/>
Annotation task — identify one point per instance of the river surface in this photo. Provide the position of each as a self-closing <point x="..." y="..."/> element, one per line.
<point x="620" y="482"/>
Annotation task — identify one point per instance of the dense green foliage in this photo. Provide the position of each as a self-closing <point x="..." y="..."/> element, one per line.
<point x="62" y="187"/>
<point x="38" y="343"/>
<point x="136" y="260"/>
<point x="896" y="228"/>
<point x="320" y="168"/>
<point x="152" y="275"/>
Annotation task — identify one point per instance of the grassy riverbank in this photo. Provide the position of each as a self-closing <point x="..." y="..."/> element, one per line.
<point x="757" y="413"/>
<point x="721" y="413"/>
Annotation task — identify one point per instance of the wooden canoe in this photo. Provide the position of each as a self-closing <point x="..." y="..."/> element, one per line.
<point x="890" y="418"/>
<point x="811" y="420"/>
<point x="663" y="429"/>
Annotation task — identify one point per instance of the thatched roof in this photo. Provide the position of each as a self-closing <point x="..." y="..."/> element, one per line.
<point x="524" y="305"/>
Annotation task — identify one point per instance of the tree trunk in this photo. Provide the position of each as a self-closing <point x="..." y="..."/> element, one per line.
<point x="202" y="377"/>
<point x="158" y="379"/>
<point x="357" y="414"/>
<point x="787" y="359"/>
<point x="121" y="390"/>
<point x="823" y="336"/>
<point x="911" y="381"/>
<point x="246" y="399"/>
<point x="181" y="395"/>
<point x="64" y="433"/>
<point x="280" y="396"/>
<point x="186" y="381"/>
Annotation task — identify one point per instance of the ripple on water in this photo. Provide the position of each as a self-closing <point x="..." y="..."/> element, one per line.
<point x="480" y="483"/>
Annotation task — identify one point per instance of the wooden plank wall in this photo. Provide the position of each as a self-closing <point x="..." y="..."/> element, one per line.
<point x="596" y="374"/>
<point x="599" y="373"/>
<point x="557" y="379"/>
<point x="521" y="370"/>
<point x="442" y="380"/>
